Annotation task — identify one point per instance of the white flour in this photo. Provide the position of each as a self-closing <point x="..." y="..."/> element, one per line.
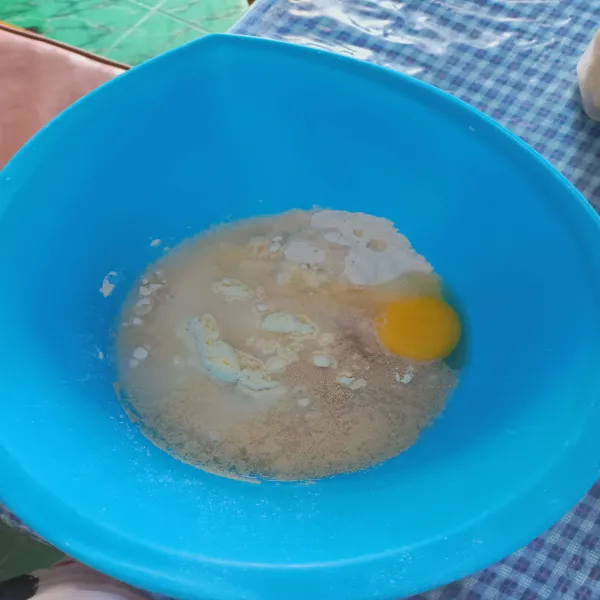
<point x="377" y="252"/>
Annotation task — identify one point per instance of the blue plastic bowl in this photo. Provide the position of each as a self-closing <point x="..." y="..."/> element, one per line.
<point x="229" y="127"/>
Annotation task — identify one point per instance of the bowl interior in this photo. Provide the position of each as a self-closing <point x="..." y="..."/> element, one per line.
<point x="228" y="128"/>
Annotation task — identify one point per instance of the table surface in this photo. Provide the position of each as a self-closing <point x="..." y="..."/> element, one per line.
<point x="515" y="61"/>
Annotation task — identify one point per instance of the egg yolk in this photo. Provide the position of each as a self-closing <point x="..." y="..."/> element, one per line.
<point x="419" y="327"/>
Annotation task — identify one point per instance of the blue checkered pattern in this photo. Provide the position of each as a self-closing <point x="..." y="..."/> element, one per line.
<point x="514" y="60"/>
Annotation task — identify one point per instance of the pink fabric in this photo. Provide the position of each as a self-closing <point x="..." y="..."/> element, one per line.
<point x="74" y="581"/>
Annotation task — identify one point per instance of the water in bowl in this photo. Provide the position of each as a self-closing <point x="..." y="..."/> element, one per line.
<point x="251" y="349"/>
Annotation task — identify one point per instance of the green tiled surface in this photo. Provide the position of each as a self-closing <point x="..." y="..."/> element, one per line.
<point x="127" y="30"/>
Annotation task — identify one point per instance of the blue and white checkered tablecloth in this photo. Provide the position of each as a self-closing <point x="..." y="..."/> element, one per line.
<point x="514" y="60"/>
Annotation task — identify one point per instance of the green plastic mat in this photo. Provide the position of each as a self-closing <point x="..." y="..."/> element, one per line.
<point x="130" y="31"/>
<point x="20" y="553"/>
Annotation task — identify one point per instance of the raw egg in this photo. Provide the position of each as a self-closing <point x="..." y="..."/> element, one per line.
<point x="419" y="327"/>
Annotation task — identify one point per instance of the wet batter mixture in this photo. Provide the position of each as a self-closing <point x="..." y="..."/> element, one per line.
<point x="268" y="347"/>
